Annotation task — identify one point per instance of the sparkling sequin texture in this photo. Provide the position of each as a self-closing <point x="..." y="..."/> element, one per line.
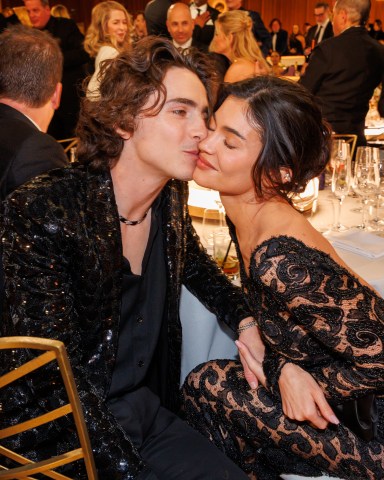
<point x="315" y="313"/>
<point x="62" y="256"/>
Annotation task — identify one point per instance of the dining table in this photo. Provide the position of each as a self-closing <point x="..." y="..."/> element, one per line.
<point x="204" y="338"/>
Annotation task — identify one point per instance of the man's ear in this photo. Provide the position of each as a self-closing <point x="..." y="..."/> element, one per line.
<point x="56" y="97"/>
<point x="123" y="134"/>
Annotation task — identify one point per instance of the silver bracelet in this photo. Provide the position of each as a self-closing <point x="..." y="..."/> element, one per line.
<point x="247" y="325"/>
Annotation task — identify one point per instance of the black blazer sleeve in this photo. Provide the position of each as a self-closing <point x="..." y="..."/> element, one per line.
<point x="38" y="154"/>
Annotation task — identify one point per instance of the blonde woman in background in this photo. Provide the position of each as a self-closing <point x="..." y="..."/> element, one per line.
<point x="234" y="39"/>
<point x="60" y="11"/>
<point x="107" y="36"/>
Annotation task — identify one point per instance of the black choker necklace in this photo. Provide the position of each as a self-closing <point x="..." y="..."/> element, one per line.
<point x="133" y="222"/>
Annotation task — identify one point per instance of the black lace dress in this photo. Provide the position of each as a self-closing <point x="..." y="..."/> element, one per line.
<point x="314" y="313"/>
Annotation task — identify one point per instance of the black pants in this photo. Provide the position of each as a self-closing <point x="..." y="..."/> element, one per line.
<point x="171" y="449"/>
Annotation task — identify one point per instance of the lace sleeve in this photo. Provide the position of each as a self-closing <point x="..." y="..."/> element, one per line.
<point x="315" y="313"/>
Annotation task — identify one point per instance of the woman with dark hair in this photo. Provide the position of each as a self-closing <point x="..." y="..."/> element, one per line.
<point x="266" y="140"/>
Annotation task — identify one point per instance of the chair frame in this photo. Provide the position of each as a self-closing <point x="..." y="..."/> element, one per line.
<point x="53" y="350"/>
<point x="72" y="142"/>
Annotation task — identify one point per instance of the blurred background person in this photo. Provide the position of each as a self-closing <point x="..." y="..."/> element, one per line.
<point x="234" y="39"/>
<point x="204" y="17"/>
<point x="139" y="27"/>
<point x="323" y="28"/>
<point x="180" y="27"/>
<point x="296" y="41"/>
<point x="107" y="36"/>
<point x="261" y="34"/>
<point x="277" y="70"/>
<point x="279" y="37"/>
<point x="60" y="11"/>
<point x="377" y="31"/>
<point x="75" y="60"/>
<point x="344" y="71"/>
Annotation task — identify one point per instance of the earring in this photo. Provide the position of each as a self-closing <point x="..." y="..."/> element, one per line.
<point x="287" y="177"/>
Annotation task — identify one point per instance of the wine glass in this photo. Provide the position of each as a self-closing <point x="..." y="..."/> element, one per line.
<point x="341" y="183"/>
<point x="366" y="180"/>
<point x="336" y="154"/>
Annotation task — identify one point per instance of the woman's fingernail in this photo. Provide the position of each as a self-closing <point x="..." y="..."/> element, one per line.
<point x="253" y="385"/>
<point x="334" y="419"/>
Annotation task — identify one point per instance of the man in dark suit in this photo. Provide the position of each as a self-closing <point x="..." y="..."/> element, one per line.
<point x="279" y="37"/>
<point x="344" y="71"/>
<point x="75" y="61"/>
<point x="322" y="30"/>
<point x="261" y="34"/>
<point x="204" y="16"/>
<point x="27" y="106"/>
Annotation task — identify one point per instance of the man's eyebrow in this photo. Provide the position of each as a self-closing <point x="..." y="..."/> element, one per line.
<point x="234" y="131"/>
<point x="185" y="101"/>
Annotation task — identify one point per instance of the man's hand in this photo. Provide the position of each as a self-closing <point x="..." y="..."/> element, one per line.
<point x="303" y="399"/>
<point x="202" y="19"/>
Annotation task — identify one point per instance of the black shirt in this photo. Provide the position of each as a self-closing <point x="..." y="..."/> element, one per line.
<point x="143" y="301"/>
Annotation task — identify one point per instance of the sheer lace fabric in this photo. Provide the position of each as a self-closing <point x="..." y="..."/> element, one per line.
<point x="314" y="313"/>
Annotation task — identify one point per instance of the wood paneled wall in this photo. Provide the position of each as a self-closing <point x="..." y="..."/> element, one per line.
<point x="288" y="11"/>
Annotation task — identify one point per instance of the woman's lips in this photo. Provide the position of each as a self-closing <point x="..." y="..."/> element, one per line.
<point x="203" y="163"/>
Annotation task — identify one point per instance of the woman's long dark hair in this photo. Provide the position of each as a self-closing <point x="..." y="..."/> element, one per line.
<point x="292" y="132"/>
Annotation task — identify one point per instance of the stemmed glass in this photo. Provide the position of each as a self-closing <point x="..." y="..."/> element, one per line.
<point x="366" y="179"/>
<point x="213" y="220"/>
<point x="341" y="181"/>
<point x="377" y="223"/>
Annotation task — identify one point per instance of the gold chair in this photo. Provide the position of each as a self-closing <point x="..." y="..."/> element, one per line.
<point x="53" y="350"/>
<point x="69" y="145"/>
<point x="349" y="138"/>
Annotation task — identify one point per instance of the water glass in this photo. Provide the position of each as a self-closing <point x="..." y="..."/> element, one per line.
<point x="366" y="180"/>
<point x="224" y="253"/>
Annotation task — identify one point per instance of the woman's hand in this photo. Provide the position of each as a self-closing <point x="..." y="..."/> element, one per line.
<point x="303" y="399"/>
<point x="251" y="351"/>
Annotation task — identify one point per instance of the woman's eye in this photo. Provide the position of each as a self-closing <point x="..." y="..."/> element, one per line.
<point x="228" y="145"/>
<point x="179" y="111"/>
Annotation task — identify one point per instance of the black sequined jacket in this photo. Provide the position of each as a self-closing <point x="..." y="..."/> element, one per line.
<point x="63" y="267"/>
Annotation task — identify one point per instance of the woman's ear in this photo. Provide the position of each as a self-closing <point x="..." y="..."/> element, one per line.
<point x="230" y="39"/>
<point x="123" y="134"/>
<point x="286" y="175"/>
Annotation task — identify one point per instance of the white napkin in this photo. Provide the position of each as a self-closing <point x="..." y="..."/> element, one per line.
<point x="362" y="243"/>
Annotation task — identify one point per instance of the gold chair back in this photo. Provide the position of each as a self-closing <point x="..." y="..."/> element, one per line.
<point x="52" y="351"/>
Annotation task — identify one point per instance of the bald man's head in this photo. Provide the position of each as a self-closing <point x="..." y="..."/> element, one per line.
<point x="179" y="23"/>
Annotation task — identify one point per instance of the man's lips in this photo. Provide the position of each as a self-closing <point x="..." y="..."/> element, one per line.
<point x="195" y="153"/>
